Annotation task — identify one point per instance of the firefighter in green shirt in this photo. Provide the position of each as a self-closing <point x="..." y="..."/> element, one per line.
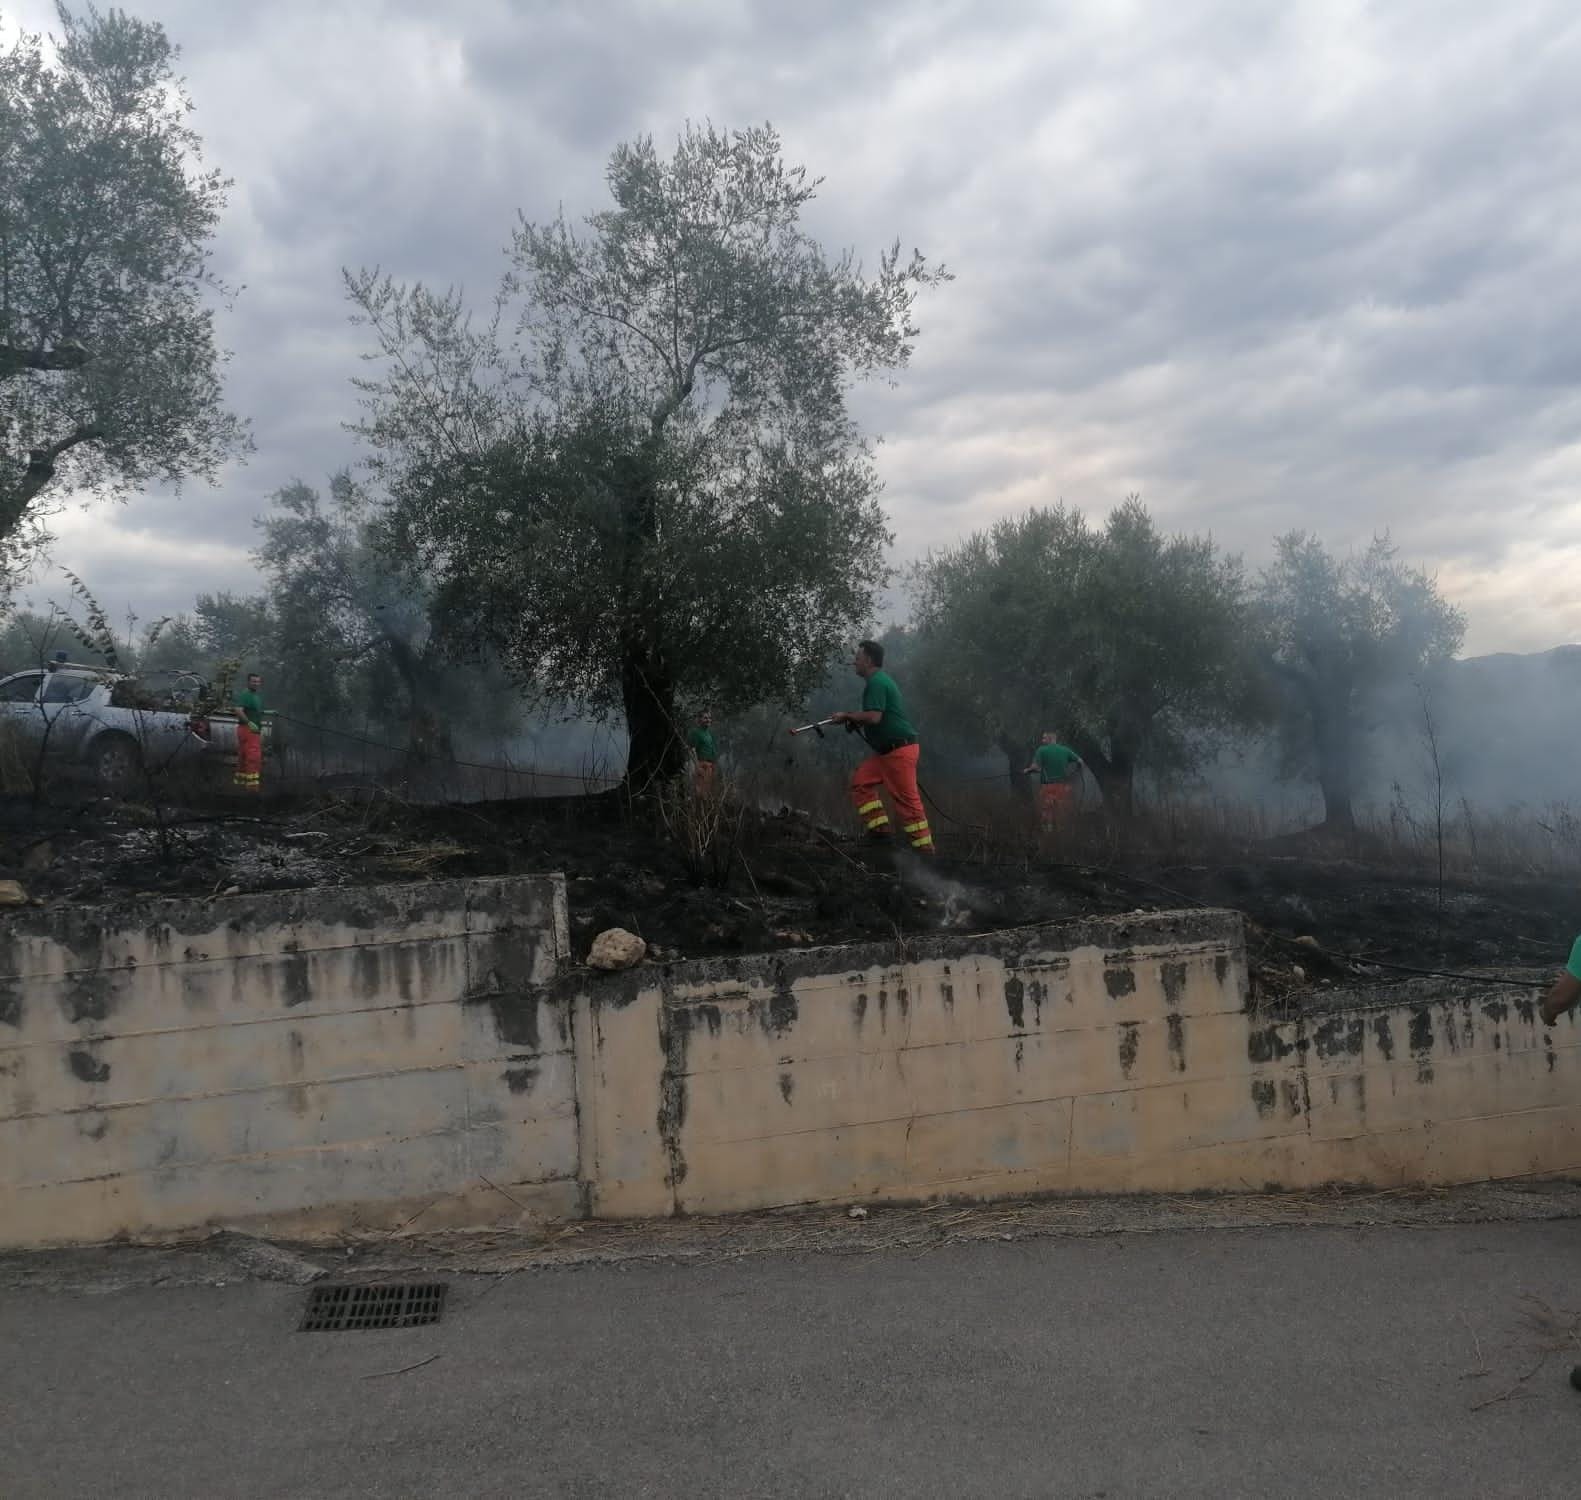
<point x="249" y="735"/>
<point x="893" y="764"/>
<point x="1059" y="774"/>
<point x="706" y="754"/>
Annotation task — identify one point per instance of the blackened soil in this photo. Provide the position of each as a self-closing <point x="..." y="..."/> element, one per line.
<point x="789" y="883"/>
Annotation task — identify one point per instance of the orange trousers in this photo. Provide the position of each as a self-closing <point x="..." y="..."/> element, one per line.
<point x="249" y="758"/>
<point x="703" y="779"/>
<point x="896" y="773"/>
<point x="1055" y="799"/>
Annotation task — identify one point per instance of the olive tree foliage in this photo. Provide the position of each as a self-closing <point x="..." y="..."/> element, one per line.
<point x="639" y="481"/>
<point x="109" y="372"/>
<point x="239" y="630"/>
<point x="1338" y="632"/>
<point x="1128" y="643"/>
<point x="352" y="632"/>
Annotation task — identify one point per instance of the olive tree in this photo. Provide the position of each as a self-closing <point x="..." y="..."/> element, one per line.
<point x="639" y="481"/>
<point x="1130" y="643"/>
<point x="1338" y="632"/>
<point x="109" y="372"/>
<point x="351" y="630"/>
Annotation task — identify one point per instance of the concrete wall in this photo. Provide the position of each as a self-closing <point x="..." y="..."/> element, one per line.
<point x="327" y="1059"/>
<point x="1107" y="1056"/>
<point x="287" y="1061"/>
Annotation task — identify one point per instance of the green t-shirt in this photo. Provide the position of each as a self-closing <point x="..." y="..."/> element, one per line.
<point x="702" y="742"/>
<point x="250" y="706"/>
<point x="1056" y="763"/>
<point x="1573" y="968"/>
<point x="894" y="729"/>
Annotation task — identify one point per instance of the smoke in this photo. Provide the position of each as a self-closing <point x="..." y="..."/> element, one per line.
<point x="1505" y="727"/>
<point x="960" y="903"/>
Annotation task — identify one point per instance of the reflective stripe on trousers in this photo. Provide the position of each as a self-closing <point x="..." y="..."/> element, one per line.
<point x="894" y="772"/>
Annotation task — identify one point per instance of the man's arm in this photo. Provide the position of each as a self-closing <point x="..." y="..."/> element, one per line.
<point x="1562" y="994"/>
<point x="857" y="716"/>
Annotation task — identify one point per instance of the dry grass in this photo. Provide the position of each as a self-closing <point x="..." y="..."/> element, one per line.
<point x="18" y="759"/>
<point x="423" y="860"/>
<point x="707" y="830"/>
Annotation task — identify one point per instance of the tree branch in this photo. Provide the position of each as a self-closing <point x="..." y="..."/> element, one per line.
<point x="40" y="470"/>
<point x="66" y="356"/>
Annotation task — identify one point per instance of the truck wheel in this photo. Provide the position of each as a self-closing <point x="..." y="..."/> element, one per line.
<point x="115" y="763"/>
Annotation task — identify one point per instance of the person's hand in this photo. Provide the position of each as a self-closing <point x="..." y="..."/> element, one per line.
<point x="840" y="716"/>
<point x="1564" y="993"/>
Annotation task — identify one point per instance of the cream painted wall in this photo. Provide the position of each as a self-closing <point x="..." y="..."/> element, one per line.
<point x="425" y="1055"/>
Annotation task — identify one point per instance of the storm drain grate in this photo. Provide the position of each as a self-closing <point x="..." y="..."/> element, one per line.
<point x="338" y="1309"/>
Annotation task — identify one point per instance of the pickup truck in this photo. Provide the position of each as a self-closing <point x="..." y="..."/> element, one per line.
<point x="118" y="727"/>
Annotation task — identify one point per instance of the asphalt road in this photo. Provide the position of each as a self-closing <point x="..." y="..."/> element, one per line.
<point x="1218" y="1363"/>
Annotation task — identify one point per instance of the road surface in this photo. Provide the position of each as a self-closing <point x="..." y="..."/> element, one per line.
<point x="1272" y="1362"/>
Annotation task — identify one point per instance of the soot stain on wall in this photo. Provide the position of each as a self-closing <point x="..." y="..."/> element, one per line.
<point x="1267" y="1044"/>
<point x="1173" y="976"/>
<point x="675" y="1028"/>
<point x="295" y="985"/>
<point x="1383" y="1034"/>
<point x="520" y="1080"/>
<point x="86" y="1067"/>
<point x="1421" y="1039"/>
<point x="1340" y="1036"/>
<point x="1177" y="1043"/>
<point x="1130" y="1034"/>
<point x="516" y="1020"/>
<point x="783" y="1009"/>
<point x="88" y="999"/>
<point x="1119" y="982"/>
<point x="1015" y="1002"/>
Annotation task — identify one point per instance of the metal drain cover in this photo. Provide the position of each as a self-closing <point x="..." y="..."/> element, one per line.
<point x="338" y="1309"/>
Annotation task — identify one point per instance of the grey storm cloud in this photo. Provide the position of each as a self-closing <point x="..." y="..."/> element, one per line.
<point x="1270" y="266"/>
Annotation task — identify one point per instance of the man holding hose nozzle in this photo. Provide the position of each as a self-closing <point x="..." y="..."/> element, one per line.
<point x="893" y="764"/>
<point x="1059" y="773"/>
<point x="1566" y="989"/>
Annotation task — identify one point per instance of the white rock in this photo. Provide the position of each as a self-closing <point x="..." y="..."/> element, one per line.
<point x="856" y="1211"/>
<point x="12" y="893"/>
<point x="615" y="948"/>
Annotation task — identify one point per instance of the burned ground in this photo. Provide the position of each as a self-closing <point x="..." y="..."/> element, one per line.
<point x="794" y="884"/>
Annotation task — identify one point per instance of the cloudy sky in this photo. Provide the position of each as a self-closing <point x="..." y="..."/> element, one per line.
<point x="1312" y="263"/>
